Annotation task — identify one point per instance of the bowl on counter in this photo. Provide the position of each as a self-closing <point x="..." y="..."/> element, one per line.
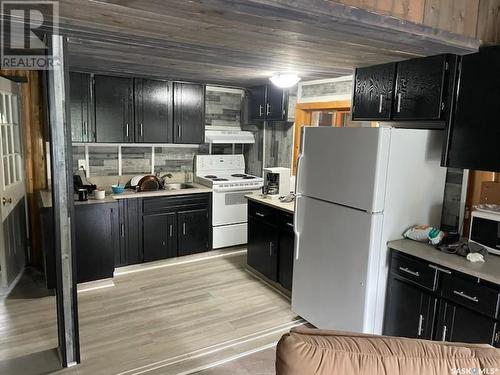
<point x="118" y="189"/>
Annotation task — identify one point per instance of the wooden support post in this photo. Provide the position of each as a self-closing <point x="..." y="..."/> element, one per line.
<point x="63" y="208"/>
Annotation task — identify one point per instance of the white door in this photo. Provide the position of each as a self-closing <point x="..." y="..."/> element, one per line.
<point x="336" y="264"/>
<point x="347" y="166"/>
<point x="12" y="185"/>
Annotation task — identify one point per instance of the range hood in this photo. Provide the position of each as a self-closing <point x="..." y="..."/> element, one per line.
<point x="228" y="137"/>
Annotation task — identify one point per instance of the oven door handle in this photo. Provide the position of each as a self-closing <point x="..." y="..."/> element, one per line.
<point x="237" y="188"/>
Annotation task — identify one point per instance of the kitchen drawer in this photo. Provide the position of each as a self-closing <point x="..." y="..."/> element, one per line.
<point x="414" y="270"/>
<point x="174" y="202"/>
<point x="287" y="221"/>
<point x="262" y="212"/>
<point x="468" y="293"/>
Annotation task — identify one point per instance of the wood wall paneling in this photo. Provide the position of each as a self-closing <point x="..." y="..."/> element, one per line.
<point x="244" y="43"/>
<point x="488" y="25"/>
<point x="32" y="114"/>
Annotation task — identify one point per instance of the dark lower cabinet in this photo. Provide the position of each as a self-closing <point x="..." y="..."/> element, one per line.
<point x="160" y="236"/>
<point x="456" y="307"/>
<point x="176" y="226"/>
<point x="96" y="229"/>
<point x="459" y="324"/>
<point x="262" y="254"/>
<point x="271" y="241"/>
<point x="286" y="251"/>
<point x="193" y="231"/>
<point x="415" y="305"/>
<point x="130" y="250"/>
<point x="97" y="241"/>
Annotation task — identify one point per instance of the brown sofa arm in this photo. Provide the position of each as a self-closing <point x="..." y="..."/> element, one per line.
<point x="322" y="352"/>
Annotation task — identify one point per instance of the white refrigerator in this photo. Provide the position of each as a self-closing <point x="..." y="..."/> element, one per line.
<point x="358" y="188"/>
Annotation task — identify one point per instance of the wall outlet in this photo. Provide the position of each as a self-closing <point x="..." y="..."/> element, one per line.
<point x="82" y="165"/>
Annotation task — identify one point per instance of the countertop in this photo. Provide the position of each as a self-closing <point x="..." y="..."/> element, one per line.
<point x="489" y="270"/>
<point x="45" y="196"/>
<point x="272" y="202"/>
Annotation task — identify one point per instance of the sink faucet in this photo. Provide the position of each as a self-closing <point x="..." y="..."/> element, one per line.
<point x="169" y="175"/>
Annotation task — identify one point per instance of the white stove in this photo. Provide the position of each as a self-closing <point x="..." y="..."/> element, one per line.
<point x="225" y="174"/>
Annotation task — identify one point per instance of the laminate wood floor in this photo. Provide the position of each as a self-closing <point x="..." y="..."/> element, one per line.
<point x="166" y="320"/>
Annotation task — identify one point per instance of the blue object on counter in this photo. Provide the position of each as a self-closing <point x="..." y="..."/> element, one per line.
<point x="118" y="189"/>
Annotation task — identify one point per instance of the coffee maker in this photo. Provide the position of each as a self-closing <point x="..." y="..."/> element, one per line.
<point x="277" y="181"/>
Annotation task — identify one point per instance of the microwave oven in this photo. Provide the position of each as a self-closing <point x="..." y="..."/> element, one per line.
<point x="485" y="230"/>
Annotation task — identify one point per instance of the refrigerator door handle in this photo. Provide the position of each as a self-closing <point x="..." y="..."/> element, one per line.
<point x="296" y="226"/>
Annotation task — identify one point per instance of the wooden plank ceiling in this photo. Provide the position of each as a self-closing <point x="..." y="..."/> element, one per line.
<point x="241" y="42"/>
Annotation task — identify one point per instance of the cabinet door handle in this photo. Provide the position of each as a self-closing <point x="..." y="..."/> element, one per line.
<point x="462" y="294"/>
<point x="290" y="225"/>
<point x="420" y="325"/>
<point x="380" y="103"/>
<point x="140" y="128"/>
<point x="445" y="331"/>
<point x="184" y="229"/>
<point x="163" y="243"/>
<point x="496" y="337"/>
<point x="171" y="230"/>
<point x="85" y="129"/>
<point x="260" y="214"/>
<point x="268" y="109"/>
<point x="440" y="269"/>
<point x="260" y="110"/>
<point x="126" y="130"/>
<point x="270" y="249"/>
<point x="179" y="132"/>
<point x="399" y="102"/>
<point x="122" y="230"/>
<point x="413" y="273"/>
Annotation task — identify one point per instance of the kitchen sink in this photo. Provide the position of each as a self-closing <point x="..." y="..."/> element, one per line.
<point x="174" y="186"/>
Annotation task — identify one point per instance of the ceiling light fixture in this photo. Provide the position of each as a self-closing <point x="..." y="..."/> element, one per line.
<point x="285" y="80"/>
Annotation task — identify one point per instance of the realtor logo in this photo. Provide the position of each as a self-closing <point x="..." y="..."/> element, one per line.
<point x="26" y="28"/>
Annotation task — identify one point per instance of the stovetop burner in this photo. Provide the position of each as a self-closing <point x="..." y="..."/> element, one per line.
<point x="211" y="176"/>
<point x="219" y="179"/>
<point x="238" y="175"/>
<point x="248" y="177"/>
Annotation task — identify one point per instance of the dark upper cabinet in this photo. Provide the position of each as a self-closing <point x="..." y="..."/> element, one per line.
<point x="153" y="111"/>
<point x="114" y="109"/>
<point x="159" y="236"/>
<point x="189" y="113"/>
<point x="193" y="228"/>
<point x="262" y="253"/>
<point x="268" y="102"/>
<point x="473" y="134"/>
<point x="82" y="124"/>
<point x="373" y="92"/>
<point x="415" y="305"/>
<point x="96" y="238"/>
<point x="286" y="251"/>
<point x="129" y="251"/>
<point x="459" y="324"/>
<point x="276" y="103"/>
<point x="420" y="88"/>
<point x="257" y="102"/>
